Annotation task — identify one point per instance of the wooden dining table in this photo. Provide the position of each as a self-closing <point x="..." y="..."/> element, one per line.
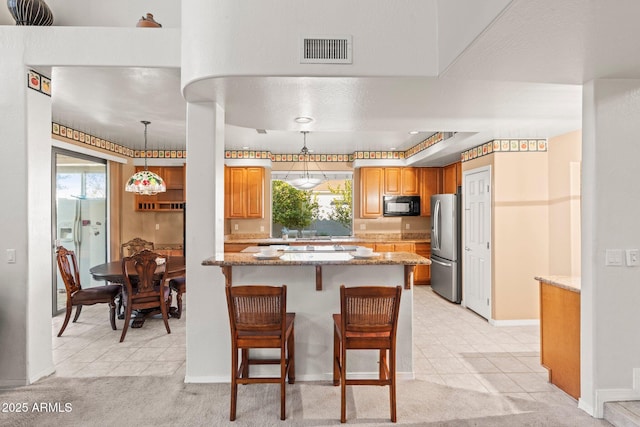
<point x="112" y="272"/>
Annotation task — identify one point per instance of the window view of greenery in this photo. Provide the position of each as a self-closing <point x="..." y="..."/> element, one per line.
<point x="324" y="211"/>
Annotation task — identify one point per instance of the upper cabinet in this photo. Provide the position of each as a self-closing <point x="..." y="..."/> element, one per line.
<point x="244" y="192"/>
<point x="171" y="200"/>
<point x="371" y="191"/>
<point x="451" y="178"/>
<point x="401" y="181"/>
<point x="430" y="184"/>
<point x="375" y="182"/>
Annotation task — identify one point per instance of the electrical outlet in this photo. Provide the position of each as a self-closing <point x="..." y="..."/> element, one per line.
<point x="262" y="228"/>
<point x="633" y="257"/>
<point x="407" y="226"/>
<point x="11" y="256"/>
<point x="363" y="226"/>
<point x="157" y="226"/>
<point x="235" y="227"/>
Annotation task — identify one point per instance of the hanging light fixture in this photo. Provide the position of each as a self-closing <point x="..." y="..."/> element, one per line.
<point x="306" y="181"/>
<point x="145" y="182"/>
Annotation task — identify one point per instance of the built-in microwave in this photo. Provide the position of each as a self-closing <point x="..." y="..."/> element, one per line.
<point x="401" y="206"/>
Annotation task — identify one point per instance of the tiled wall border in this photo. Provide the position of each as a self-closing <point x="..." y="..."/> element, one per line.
<point x="88" y="139"/>
<point x="76" y="135"/>
<point x="504" y="145"/>
<point x="39" y="82"/>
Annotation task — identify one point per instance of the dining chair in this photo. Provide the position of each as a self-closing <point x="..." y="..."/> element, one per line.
<point x="258" y="318"/>
<point x="176" y="281"/>
<point x="368" y="320"/>
<point x="135" y="245"/>
<point x="77" y="295"/>
<point x="143" y="288"/>
<point x="179" y="285"/>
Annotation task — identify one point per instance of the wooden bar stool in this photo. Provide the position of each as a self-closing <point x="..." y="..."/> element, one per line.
<point x="258" y="318"/>
<point x="368" y="320"/>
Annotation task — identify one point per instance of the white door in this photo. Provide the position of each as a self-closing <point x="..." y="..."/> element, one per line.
<point x="477" y="241"/>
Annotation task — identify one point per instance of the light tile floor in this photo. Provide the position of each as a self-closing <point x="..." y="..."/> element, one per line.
<point x="453" y="347"/>
<point x="90" y="348"/>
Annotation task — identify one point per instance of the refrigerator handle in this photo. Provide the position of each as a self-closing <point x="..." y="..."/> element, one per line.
<point x="436" y="225"/>
<point x="446" y="264"/>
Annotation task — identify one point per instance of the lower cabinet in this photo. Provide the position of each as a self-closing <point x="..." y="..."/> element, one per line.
<point x="422" y="273"/>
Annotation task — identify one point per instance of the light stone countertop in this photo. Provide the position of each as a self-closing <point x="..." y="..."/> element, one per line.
<point x="384" y="258"/>
<point x="570" y="283"/>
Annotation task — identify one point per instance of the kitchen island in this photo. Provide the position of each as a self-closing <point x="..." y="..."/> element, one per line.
<point x="314" y="303"/>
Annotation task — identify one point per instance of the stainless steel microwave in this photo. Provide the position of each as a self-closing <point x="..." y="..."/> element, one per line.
<point x="401" y="206"/>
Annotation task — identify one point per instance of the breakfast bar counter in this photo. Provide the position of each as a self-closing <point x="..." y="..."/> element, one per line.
<point x="313" y="282"/>
<point x="316" y="258"/>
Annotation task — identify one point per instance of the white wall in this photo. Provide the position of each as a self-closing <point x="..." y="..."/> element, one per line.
<point x="13" y="217"/>
<point x="610" y="343"/>
<point x="262" y="45"/>
<point x="25" y="168"/>
<point x="112" y="13"/>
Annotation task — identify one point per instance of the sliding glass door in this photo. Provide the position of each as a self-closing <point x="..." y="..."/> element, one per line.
<point x="79" y="215"/>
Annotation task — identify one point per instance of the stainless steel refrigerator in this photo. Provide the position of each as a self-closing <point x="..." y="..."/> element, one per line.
<point x="446" y="256"/>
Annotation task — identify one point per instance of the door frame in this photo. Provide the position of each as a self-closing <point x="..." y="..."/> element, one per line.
<point x="465" y="173"/>
<point x="54" y="215"/>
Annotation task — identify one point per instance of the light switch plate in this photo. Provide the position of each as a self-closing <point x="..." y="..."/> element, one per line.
<point x="613" y="257"/>
<point x="633" y="257"/>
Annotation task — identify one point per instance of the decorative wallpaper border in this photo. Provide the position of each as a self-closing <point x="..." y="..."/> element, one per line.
<point x="88" y="139"/>
<point x="250" y="154"/>
<point x="39" y="82"/>
<point x="504" y="145"/>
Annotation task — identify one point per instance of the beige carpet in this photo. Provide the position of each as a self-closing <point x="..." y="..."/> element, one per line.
<point x="167" y="401"/>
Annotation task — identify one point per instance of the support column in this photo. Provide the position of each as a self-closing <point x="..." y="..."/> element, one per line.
<point x="207" y="320"/>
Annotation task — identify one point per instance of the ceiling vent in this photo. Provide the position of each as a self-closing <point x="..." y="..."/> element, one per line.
<point x="322" y="50"/>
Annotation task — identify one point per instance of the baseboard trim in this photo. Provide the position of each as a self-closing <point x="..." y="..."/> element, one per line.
<point x="515" y="322"/>
<point x="617" y="394"/>
<point x="197" y="379"/>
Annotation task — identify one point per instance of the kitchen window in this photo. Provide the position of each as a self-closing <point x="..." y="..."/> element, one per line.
<point x="322" y="212"/>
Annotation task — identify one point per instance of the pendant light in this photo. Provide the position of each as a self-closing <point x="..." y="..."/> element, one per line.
<point x="145" y="182"/>
<point x="306" y="181"/>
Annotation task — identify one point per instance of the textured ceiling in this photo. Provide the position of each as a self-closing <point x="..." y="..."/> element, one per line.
<point x="521" y="78"/>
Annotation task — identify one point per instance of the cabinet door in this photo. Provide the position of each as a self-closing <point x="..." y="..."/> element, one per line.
<point x="409" y="179"/>
<point x="422" y="273"/>
<point x="429" y="185"/>
<point x="371" y="185"/>
<point x="255" y="192"/>
<point x="404" y="247"/>
<point x="392" y="181"/>
<point x="384" y="247"/>
<point x="450" y="179"/>
<point x="237" y="195"/>
<point x="173" y="177"/>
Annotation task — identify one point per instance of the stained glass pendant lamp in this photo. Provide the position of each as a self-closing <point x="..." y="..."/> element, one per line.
<point x="306" y="181"/>
<point x="145" y="182"/>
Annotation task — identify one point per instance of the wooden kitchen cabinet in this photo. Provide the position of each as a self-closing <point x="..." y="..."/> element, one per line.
<point x="560" y="336"/>
<point x="401" y="181"/>
<point x="371" y="187"/>
<point x="451" y="178"/>
<point x="410" y="181"/>
<point x="394" y="247"/>
<point x="392" y="181"/>
<point x="422" y="273"/>
<point x="244" y="192"/>
<point x="235" y="247"/>
<point x="430" y="184"/>
<point x="171" y="200"/>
